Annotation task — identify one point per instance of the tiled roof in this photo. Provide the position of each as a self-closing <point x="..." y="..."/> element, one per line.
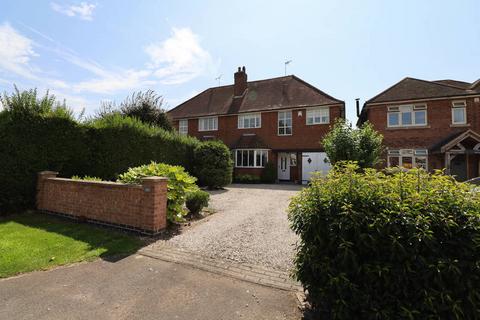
<point x="249" y="141"/>
<point x="411" y="89"/>
<point x="261" y="95"/>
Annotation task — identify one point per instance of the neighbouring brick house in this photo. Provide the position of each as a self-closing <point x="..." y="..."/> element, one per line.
<point x="429" y="124"/>
<point x="280" y="120"/>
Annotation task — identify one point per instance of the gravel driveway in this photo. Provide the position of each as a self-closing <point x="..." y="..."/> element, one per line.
<point x="250" y="226"/>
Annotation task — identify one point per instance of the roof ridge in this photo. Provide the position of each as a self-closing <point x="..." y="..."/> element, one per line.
<point x="451" y="85"/>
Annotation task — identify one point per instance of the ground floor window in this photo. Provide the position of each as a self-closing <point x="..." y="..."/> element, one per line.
<point x="408" y="158"/>
<point x="250" y="158"/>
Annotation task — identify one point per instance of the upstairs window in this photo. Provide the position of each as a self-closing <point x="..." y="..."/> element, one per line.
<point x="208" y="124"/>
<point x="183" y="127"/>
<point x="284" y="123"/>
<point x="459" y="112"/>
<point x="248" y="121"/>
<point x="318" y="116"/>
<point x="407" y="115"/>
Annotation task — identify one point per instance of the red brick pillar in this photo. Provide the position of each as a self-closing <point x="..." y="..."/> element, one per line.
<point x="41" y="179"/>
<point x="155" y="203"/>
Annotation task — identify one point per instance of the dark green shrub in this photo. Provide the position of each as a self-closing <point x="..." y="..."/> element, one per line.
<point x="269" y="173"/>
<point x="180" y="183"/>
<point x="247" y="178"/>
<point x="196" y="201"/>
<point x="397" y="246"/>
<point x="213" y="164"/>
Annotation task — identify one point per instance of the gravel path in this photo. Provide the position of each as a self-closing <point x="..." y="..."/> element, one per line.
<point x="250" y="226"/>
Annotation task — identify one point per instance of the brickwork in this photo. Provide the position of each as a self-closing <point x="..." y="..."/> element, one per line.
<point x="136" y="207"/>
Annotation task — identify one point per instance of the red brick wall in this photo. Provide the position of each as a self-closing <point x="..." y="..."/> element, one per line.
<point x="305" y="137"/>
<point x="137" y="207"/>
<point x="439" y="126"/>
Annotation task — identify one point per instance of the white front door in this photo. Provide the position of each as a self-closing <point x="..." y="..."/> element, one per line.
<point x="283" y="166"/>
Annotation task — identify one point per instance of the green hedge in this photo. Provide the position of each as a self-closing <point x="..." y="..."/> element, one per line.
<point x="403" y="245"/>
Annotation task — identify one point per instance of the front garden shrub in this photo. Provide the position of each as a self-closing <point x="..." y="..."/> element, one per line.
<point x="213" y="164"/>
<point x="402" y="245"/>
<point x="87" y="178"/>
<point x="269" y="173"/>
<point x="179" y="184"/>
<point x="247" y="178"/>
<point x="196" y="201"/>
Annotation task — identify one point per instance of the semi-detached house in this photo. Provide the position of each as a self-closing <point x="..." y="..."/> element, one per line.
<point x="429" y="124"/>
<point x="280" y="120"/>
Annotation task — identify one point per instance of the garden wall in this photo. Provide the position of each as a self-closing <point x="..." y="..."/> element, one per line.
<point x="140" y="208"/>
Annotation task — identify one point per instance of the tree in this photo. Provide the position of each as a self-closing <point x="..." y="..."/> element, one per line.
<point x="145" y="106"/>
<point x="345" y="143"/>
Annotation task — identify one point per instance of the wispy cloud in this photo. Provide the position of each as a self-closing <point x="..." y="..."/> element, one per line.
<point x="84" y="10"/>
<point x="179" y="58"/>
<point x="16" y="51"/>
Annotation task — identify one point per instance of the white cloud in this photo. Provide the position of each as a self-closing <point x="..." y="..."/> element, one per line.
<point x="179" y="58"/>
<point x="16" y="52"/>
<point x="84" y="10"/>
<point x="113" y="82"/>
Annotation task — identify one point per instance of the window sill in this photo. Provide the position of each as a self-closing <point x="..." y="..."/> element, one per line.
<point x="249" y="167"/>
<point x="207" y="130"/>
<point x="459" y="125"/>
<point x="249" y="128"/>
<point x="407" y="127"/>
<point x="316" y="124"/>
<point x="285" y="135"/>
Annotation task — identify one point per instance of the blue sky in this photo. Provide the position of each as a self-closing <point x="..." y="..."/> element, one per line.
<point x="90" y="51"/>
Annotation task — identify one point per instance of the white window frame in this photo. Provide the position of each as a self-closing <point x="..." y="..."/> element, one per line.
<point x="257" y="119"/>
<point x="456" y="105"/>
<point x="285" y="117"/>
<point x="407" y="108"/>
<point x="415" y="154"/>
<point x="183" y="126"/>
<point x="319" y="112"/>
<point x="255" y="152"/>
<point x="211" y="126"/>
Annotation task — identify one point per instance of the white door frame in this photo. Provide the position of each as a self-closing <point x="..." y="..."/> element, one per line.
<point x="283" y="166"/>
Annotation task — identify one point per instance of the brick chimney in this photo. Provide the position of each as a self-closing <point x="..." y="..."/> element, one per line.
<point x="240" y="84"/>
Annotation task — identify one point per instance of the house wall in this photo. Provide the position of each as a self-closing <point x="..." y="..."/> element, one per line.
<point x="439" y="127"/>
<point x="140" y="208"/>
<point x="304" y="137"/>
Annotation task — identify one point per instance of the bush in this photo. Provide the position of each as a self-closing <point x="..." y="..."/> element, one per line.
<point x="213" y="164"/>
<point x="247" y="178"/>
<point x="86" y="178"/>
<point x="196" y="201"/>
<point x="402" y="245"/>
<point x="269" y="173"/>
<point x="180" y="183"/>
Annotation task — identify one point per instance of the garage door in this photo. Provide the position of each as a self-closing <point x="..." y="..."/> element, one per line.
<point x="313" y="162"/>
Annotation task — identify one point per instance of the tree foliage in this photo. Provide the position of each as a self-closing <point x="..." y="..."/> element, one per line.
<point x="345" y="143"/>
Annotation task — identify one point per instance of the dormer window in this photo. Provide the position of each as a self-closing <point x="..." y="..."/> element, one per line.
<point x="459" y="112"/>
<point x="407" y="115"/>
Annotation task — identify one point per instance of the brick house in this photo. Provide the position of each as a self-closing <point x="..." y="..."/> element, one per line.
<point x="279" y="120"/>
<point x="429" y="124"/>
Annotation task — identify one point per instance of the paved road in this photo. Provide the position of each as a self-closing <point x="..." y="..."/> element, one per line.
<point x="250" y="226"/>
<point x="139" y="287"/>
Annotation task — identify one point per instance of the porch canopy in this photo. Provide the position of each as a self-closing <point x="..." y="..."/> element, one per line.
<point x="462" y="154"/>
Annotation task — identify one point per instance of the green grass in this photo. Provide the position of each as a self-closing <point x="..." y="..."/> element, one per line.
<point x="34" y="241"/>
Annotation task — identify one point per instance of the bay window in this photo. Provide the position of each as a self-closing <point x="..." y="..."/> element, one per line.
<point x="251" y="158"/>
<point x="408" y="158"/>
<point x="407" y="115"/>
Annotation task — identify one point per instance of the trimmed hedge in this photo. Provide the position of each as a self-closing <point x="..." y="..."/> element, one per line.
<point x="394" y="245"/>
<point x="196" y="201"/>
<point x="213" y="164"/>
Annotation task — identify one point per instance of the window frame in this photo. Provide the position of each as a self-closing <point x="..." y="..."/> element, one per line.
<point x="241" y="122"/>
<point x="464" y="107"/>
<point x="415" y="154"/>
<point x="317" y="109"/>
<point x="255" y="153"/>
<point x="413" y="109"/>
<point x="200" y="128"/>
<point x="284" y="126"/>
<point x="184" y="126"/>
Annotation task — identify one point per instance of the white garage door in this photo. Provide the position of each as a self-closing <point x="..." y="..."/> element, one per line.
<point x="314" y="162"/>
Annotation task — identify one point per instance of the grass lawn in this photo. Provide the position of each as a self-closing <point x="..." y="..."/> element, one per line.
<point x="34" y="241"/>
